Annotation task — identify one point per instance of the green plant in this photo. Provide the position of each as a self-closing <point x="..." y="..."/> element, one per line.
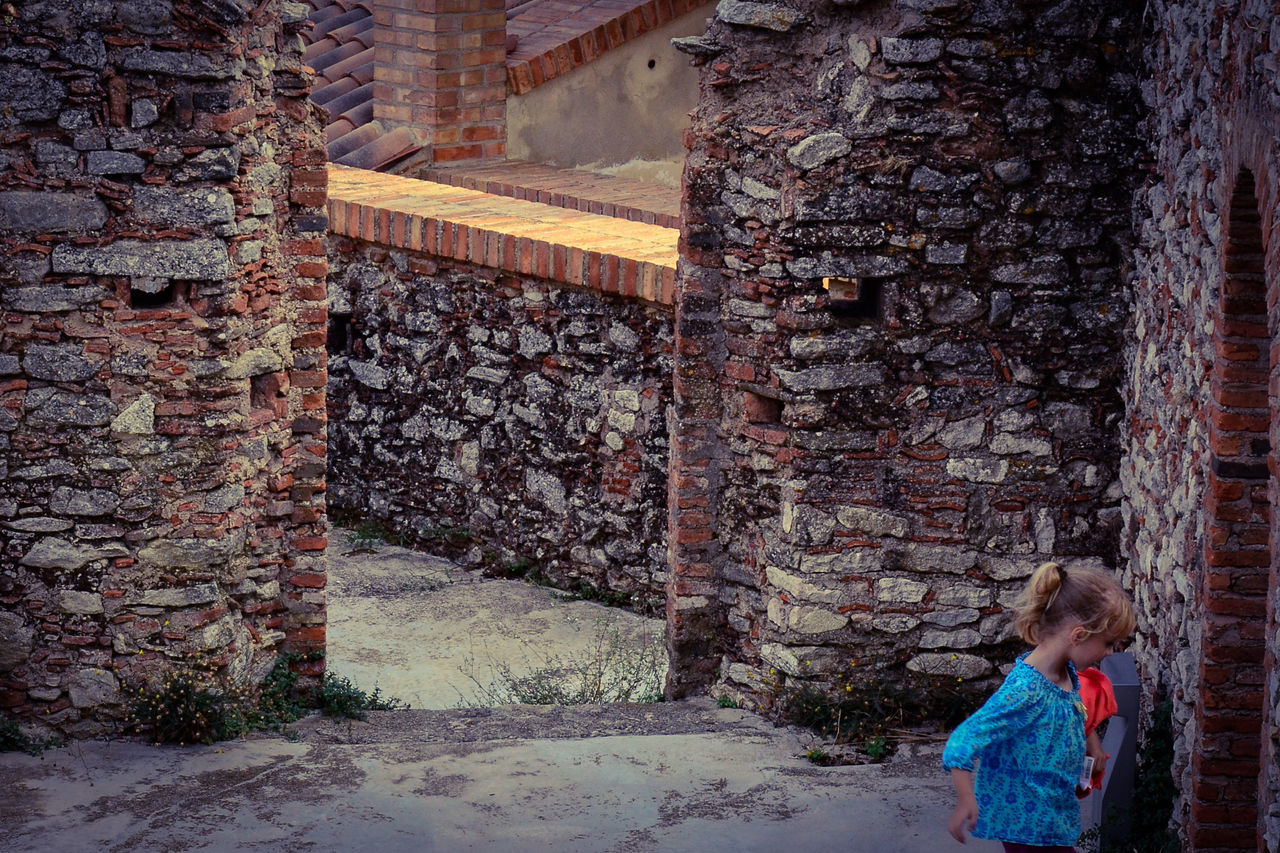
<point x="14" y="739"/>
<point x="183" y="710"/>
<point x="871" y="704"/>
<point x="197" y="706"/>
<point x="368" y="535"/>
<point x="607" y="671"/>
<point x="1154" y="792"/>
<point x="726" y="702"/>
<point x="339" y="697"/>
<point x="877" y="748"/>
<point x="818" y="755"/>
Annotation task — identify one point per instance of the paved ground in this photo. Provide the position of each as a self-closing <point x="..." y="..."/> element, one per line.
<point x="647" y="777"/>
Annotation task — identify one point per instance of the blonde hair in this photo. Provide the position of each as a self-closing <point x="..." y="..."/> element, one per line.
<point x="1054" y="597"/>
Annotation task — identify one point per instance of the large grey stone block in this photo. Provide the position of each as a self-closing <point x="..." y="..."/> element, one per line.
<point x="203" y="258"/>
<point x="29" y="95"/>
<point x="53" y="553"/>
<point x="59" y="363"/>
<point x="58" y="213"/>
<point x="769" y="16"/>
<point x="175" y="63"/>
<point x="54" y="407"/>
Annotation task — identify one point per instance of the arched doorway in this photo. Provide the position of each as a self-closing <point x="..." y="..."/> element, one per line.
<point x="1228" y="757"/>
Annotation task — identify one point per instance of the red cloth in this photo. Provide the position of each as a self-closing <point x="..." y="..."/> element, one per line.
<point x="1098" y="696"/>
<point x="1099" y="699"/>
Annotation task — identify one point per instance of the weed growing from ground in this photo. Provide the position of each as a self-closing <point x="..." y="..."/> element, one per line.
<point x="13" y="739"/>
<point x="818" y="755"/>
<point x="340" y="698"/>
<point x="197" y="706"/>
<point x="870" y="706"/>
<point x="726" y="702"/>
<point x="608" y="671"/>
<point x="1154" y="792"/>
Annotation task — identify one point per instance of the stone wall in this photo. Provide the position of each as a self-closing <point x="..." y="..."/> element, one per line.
<point x="1202" y="424"/>
<point x="162" y="421"/>
<point x="899" y="333"/>
<point x="513" y="421"/>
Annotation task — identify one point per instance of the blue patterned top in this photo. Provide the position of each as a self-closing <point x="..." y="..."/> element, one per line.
<point x="1029" y="742"/>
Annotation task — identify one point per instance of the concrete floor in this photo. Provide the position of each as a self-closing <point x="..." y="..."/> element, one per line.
<point x="684" y="776"/>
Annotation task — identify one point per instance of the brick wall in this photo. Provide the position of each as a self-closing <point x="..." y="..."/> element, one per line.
<point x="162" y="368"/>
<point x="874" y="476"/>
<point x="1202" y="415"/>
<point x="440" y="68"/>
<point x="506" y="419"/>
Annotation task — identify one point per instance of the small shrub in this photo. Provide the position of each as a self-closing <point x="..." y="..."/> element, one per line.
<point x="197" y="707"/>
<point x="878" y="748"/>
<point x="608" y="671"/>
<point x="369" y="535"/>
<point x="14" y="739"/>
<point x="870" y="704"/>
<point x="182" y="711"/>
<point x="339" y="697"/>
<point x="818" y="755"/>
<point x="726" y="702"/>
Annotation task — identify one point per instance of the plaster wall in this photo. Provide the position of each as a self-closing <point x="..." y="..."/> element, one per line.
<point x="622" y="113"/>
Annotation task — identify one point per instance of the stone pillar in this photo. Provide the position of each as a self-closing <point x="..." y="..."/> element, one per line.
<point x="162" y="360"/>
<point x="441" y="69"/>
<point x="900" y="323"/>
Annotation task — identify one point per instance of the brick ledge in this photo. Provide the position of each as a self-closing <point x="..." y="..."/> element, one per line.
<point x="601" y="253"/>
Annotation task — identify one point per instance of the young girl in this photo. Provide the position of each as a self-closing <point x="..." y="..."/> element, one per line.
<point x="1028" y="739"/>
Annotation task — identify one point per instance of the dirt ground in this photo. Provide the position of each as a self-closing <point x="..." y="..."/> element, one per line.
<point x="678" y="776"/>
<point x="434" y="635"/>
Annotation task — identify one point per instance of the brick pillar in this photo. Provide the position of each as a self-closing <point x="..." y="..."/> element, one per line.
<point x="441" y="69"/>
<point x="696" y="613"/>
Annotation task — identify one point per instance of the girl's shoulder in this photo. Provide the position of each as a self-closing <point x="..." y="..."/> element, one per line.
<point x="1026" y="678"/>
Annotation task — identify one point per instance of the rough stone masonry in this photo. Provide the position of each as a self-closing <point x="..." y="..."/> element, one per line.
<point x="907" y="230"/>
<point x="516" y="423"/>
<point x="162" y="362"/>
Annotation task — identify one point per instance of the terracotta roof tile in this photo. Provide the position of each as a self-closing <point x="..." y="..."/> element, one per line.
<point x="338" y="21"/>
<point x="545" y="39"/>
<point x="348" y="142"/>
<point x="325" y="94"/>
<point x="339" y="106"/>
<point x="382" y="150"/>
<point x="332" y="53"/>
<point x="337" y="129"/>
<point x="353" y="65"/>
